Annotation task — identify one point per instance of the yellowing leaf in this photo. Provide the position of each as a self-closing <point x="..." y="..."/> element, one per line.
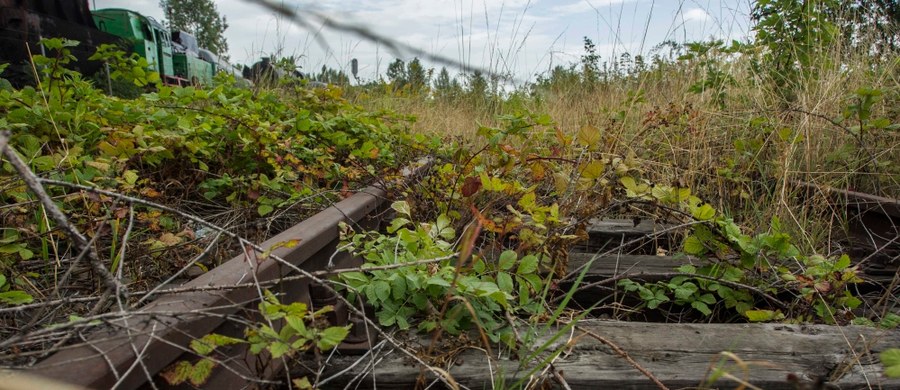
<point x="97" y="164"/>
<point x="130" y="176"/>
<point x="178" y="373"/>
<point x="593" y="170"/>
<point x="169" y="239"/>
<point x="302" y="384"/>
<point x="763" y="315"/>
<point x="560" y="183"/>
<point x="589" y="136"/>
<point x="538" y="172"/>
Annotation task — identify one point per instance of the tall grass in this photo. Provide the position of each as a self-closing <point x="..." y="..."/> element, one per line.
<point x="713" y="123"/>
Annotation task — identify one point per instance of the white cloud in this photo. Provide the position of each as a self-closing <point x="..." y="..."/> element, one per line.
<point x="695" y="15"/>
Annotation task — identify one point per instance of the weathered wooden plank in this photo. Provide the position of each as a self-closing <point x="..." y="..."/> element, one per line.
<point x="618" y="227"/>
<point x="608" y="266"/>
<point x="680" y="355"/>
<point x="639" y="236"/>
<point x="630" y="264"/>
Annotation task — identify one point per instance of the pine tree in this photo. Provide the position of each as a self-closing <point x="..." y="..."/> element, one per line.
<point x="396" y="74"/>
<point x="200" y="18"/>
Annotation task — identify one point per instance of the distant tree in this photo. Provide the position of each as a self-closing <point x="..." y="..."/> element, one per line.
<point x="200" y="18"/>
<point x="477" y="88"/>
<point x="561" y="79"/>
<point x="396" y="74"/>
<point x="590" y="62"/>
<point x="332" y="76"/>
<point x="411" y="76"/>
<point x="418" y="78"/>
<point x="445" y="87"/>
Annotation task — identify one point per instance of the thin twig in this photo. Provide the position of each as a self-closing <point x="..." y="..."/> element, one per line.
<point x="560" y="379"/>
<point x="33" y="183"/>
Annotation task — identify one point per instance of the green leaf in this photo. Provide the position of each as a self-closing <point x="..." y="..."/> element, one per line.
<point x="396" y="224"/>
<point x="398" y="287"/>
<point x="298" y="325"/>
<point x="701" y="307"/>
<point x="355" y="279"/>
<point x="264" y="209"/>
<point x="892" y="372"/>
<point x="685" y="291"/>
<point x="760" y="315"/>
<point x="331" y="337"/>
<point x="890" y="358"/>
<point x="507" y="260"/>
<point x="505" y="282"/>
<point x="179" y="373"/>
<point x="890" y="321"/>
<point x="201" y="372"/>
<point x="279" y="349"/>
<point x="402" y="207"/>
<point x="534" y="280"/>
<point x="709" y="299"/>
<point x="693" y="246"/>
<point x="205" y="345"/>
<point x="25" y="253"/>
<point x="15" y="298"/>
<point x="842" y="263"/>
<point x="704" y="213"/>
<point x="437" y="281"/>
<point x="382" y="290"/>
<point x="479" y="266"/>
<point x="527" y="265"/>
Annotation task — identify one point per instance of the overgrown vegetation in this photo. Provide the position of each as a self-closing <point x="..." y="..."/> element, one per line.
<point x="256" y="160"/>
<point x="716" y="139"/>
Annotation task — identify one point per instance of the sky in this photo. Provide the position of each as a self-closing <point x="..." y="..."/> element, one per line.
<point x="523" y="38"/>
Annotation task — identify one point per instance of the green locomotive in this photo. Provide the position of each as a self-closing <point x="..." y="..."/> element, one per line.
<point x="176" y="56"/>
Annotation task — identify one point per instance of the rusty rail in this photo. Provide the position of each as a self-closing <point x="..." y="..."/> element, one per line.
<point x="149" y="339"/>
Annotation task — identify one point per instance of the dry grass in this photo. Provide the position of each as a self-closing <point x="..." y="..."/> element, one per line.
<point x="690" y="140"/>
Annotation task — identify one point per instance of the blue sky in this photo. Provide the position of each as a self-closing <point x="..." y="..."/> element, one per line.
<point x="520" y="37"/>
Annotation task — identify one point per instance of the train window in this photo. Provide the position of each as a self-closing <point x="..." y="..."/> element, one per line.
<point x="148" y="35"/>
<point x="164" y="38"/>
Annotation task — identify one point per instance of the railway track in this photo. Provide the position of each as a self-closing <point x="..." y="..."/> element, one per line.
<point x="138" y="345"/>
<point x="135" y="345"/>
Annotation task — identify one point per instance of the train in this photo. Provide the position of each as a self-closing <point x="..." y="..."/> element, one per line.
<point x="175" y="55"/>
